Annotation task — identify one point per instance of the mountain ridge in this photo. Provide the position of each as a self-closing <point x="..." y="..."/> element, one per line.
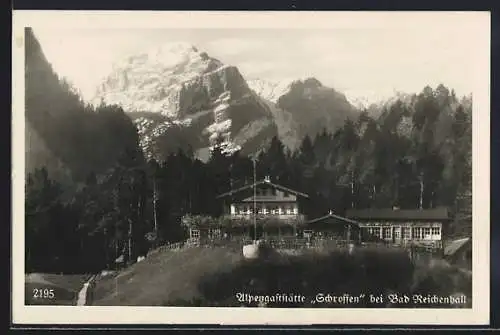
<point x="205" y="99"/>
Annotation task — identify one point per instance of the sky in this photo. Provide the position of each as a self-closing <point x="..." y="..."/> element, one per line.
<point x="367" y="64"/>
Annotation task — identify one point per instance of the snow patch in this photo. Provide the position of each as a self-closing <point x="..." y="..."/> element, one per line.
<point x="270" y="90"/>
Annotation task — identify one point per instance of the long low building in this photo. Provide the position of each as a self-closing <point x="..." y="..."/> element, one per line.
<point x="418" y="226"/>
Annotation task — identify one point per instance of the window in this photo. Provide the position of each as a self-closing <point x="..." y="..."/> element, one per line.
<point x="426" y="232"/>
<point x="288" y="210"/>
<point x="436" y="231"/>
<point x="417" y="232"/>
<point x="406" y="233"/>
<point x="374" y="231"/>
<point x="295" y="210"/>
<point x="286" y="194"/>
<point x="397" y="233"/>
<point x="215" y="233"/>
<point x="195" y="233"/>
<point x="387" y="232"/>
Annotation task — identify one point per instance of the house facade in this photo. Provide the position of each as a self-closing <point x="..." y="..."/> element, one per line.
<point x="402" y="226"/>
<point x="262" y="209"/>
<point x="265" y="200"/>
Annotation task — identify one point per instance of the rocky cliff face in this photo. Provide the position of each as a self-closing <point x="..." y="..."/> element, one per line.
<point x="180" y="97"/>
<point x="315" y="107"/>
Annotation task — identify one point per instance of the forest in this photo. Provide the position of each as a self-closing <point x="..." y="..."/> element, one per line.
<point x="83" y="222"/>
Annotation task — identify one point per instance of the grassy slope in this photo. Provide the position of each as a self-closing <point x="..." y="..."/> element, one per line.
<point x="66" y="288"/>
<point x="211" y="276"/>
<point x="163" y="277"/>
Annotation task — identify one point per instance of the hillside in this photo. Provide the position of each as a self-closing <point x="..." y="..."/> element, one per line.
<point x="171" y="275"/>
<point x="63" y="134"/>
<point x="214" y="276"/>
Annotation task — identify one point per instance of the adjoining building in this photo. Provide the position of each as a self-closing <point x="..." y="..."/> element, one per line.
<point x="403" y="226"/>
<point x="332" y="226"/>
<point x="459" y="252"/>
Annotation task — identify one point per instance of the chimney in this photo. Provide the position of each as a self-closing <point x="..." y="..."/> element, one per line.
<point x="330" y="212"/>
<point x="267" y="179"/>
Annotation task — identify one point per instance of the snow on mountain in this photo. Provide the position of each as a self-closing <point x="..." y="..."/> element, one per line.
<point x="177" y="94"/>
<point x="270" y="90"/>
<point x="154" y="81"/>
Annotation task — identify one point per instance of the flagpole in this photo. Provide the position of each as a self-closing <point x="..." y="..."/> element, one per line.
<point x="154" y="205"/>
<point x="421" y="200"/>
<point x="254" y="199"/>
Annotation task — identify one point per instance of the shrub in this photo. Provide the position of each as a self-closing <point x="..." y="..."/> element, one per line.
<point x="382" y="271"/>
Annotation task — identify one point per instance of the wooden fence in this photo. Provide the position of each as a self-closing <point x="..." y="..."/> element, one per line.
<point x="169" y="246"/>
<point x="294" y="243"/>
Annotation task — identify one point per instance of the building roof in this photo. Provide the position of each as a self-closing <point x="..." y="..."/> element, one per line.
<point x="330" y="215"/>
<point x="455" y="246"/>
<point x="265" y="181"/>
<point x="435" y="214"/>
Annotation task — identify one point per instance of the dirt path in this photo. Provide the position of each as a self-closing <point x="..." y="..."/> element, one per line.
<point x="82" y="295"/>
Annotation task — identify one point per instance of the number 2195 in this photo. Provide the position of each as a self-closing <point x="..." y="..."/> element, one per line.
<point x="43" y="293"/>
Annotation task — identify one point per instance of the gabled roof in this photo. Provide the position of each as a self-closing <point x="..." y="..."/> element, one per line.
<point x="263" y="182"/>
<point x="455" y="246"/>
<point x="438" y="214"/>
<point x="330" y="215"/>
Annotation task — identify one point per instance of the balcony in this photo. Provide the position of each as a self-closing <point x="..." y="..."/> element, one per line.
<point x="286" y="218"/>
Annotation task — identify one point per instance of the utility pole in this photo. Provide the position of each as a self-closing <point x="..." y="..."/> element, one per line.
<point x="254" y="198"/>
<point x="231" y="176"/>
<point x="374" y="192"/>
<point x="352" y="189"/>
<point x="421" y="177"/>
<point x="396" y="183"/>
<point x="154" y="206"/>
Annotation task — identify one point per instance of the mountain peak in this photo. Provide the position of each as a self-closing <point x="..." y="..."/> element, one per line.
<point x="169" y="55"/>
<point x="310" y="82"/>
<point x="147" y="81"/>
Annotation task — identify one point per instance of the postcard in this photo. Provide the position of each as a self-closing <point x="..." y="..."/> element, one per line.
<point x="249" y="168"/>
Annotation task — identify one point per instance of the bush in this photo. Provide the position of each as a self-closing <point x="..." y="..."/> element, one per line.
<point x="375" y="272"/>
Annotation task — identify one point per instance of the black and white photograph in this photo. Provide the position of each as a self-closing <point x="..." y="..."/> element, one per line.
<point x="285" y="167"/>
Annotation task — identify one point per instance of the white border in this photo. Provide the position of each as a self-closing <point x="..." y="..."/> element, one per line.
<point x="478" y="24"/>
